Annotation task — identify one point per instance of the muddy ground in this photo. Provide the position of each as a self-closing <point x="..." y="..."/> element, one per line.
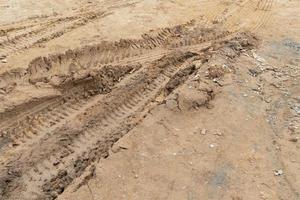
<point x="150" y="99"/>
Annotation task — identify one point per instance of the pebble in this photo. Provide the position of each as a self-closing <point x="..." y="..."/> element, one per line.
<point x="278" y="172"/>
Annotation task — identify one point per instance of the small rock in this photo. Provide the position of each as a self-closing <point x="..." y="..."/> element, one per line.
<point x="278" y="172"/>
<point x="212" y="145"/>
<point x="56" y="162"/>
<point x="136" y="176"/>
<point x="203" y="132"/>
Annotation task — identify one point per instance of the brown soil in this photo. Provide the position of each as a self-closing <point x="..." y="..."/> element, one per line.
<point x="149" y="100"/>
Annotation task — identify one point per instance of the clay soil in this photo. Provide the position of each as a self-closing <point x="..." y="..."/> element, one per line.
<point x="132" y="99"/>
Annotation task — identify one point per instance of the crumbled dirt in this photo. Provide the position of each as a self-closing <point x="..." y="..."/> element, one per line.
<point x="149" y="100"/>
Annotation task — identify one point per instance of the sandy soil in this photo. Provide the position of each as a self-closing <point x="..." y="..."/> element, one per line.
<point x="150" y="99"/>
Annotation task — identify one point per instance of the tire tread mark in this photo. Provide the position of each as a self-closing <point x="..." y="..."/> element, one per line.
<point x="110" y="121"/>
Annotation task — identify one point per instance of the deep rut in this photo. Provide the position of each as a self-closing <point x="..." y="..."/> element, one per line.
<point x="54" y="164"/>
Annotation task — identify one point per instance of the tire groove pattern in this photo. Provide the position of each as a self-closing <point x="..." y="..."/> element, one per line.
<point x="31" y="128"/>
<point x="53" y="29"/>
<point x="107" y="122"/>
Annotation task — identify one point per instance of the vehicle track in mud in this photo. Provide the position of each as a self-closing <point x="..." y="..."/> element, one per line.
<point x="151" y="46"/>
<point x="103" y="133"/>
<point x="57" y="27"/>
<point x="49" y="160"/>
<point x="126" y="51"/>
<point x="52" y="29"/>
<point x="56" y="111"/>
<point x="29" y="130"/>
<point x="119" y="105"/>
<point x="266" y="9"/>
<point x="258" y="12"/>
<point x="48" y="126"/>
<point x="45" y="154"/>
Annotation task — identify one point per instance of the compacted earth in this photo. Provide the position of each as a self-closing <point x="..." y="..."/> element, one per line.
<point x="150" y="99"/>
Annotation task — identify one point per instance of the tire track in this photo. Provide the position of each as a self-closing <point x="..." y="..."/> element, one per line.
<point x="56" y="28"/>
<point x="48" y="153"/>
<point x="29" y="129"/>
<point x="130" y="57"/>
<point x="43" y="121"/>
<point x="110" y="112"/>
<point x="266" y="15"/>
<point x="50" y="31"/>
<point x="49" y="158"/>
<point x="70" y="23"/>
<point x="112" y="53"/>
<point x="233" y="20"/>
<point x="89" y="140"/>
<point x="259" y="13"/>
<point x="38" y="116"/>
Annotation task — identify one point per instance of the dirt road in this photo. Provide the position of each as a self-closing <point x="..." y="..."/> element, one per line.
<point x="149" y="99"/>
